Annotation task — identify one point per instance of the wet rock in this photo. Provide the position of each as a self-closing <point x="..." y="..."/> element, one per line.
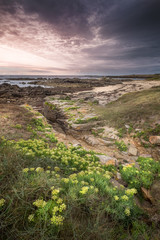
<point x="106" y="160"/>
<point x="154" y="140"/>
<point x="132" y="151"/>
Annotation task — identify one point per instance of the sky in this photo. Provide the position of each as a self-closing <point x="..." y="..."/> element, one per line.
<point x="64" y="37"/>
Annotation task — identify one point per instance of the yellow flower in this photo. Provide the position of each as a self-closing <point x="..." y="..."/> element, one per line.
<point x="39" y="169"/>
<point x="59" y="201"/>
<point x="25" y="170"/>
<point x="39" y="203"/>
<point x="57" y="175"/>
<point x="57" y="220"/>
<point x="32" y="169"/>
<point x="84" y="190"/>
<point x="65" y="180"/>
<point x="116" y="198"/>
<point x="57" y="169"/>
<point x="92" y="179"/>
<point x="127" y="211"/>
<point x="62" y="207"/>
<point x="2" y="201"/>
<point x="96" y="190"/>
<point x="31" y="218"/>
<point x="55" y="209"/>
<point x="55" y="191"/>
<point x="131" y="191"/>
<point x="124" y="197"/>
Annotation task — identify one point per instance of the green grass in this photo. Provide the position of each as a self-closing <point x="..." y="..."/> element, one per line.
<point x="131" y="108"/>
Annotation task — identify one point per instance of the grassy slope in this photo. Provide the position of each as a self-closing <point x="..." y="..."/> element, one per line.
<point x="137" y="108"/>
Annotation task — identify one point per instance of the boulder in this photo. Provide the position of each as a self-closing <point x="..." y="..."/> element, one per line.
<point x="106" y="160"/>
<point x="154" y="140"/>
<point x="133" y="151"/>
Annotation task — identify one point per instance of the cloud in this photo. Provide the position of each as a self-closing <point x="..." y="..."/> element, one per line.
<point x="84" y="35"/>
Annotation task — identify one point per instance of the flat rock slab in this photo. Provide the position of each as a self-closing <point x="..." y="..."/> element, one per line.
<point x="84" y="127"/>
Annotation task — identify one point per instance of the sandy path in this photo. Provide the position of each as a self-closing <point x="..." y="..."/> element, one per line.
<point x="136" y="84"/>
<point x="111" y="93"/>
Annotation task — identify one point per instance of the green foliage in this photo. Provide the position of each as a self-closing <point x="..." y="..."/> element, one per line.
<point x="142" y="177"/>
<point x="51" y="106"/>
<point x="51" y="137"/>
<point x="97" y="132"/>
<point x="121" y="132"/>
<point x="46" y="185"/>
<point x="121" y="146"/>
<point x="18" y="126"/>
<point x="70" y="108"/>
<point x="83" y="121"/>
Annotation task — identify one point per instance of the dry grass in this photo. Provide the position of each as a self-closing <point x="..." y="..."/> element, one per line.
<point x="10" y="116"/>
<point x="137" y="108"/>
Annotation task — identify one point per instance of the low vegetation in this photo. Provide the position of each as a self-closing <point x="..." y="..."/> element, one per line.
<point x="51" y="191"/>
<point x="137" y="109"/>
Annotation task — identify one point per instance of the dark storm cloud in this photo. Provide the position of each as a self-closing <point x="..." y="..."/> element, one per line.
<point x="133" y="24"/>
<point x="116" y="18"/>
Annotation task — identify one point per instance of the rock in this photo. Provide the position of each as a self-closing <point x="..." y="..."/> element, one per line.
<point x="106" y="160"/>
<point x="155" y="191"/>
<point x="118" y="176"/>
<point x="127" y="126"/>
<point x="91" y="140"/>
<point x="52" y="113"/>
<point x="84" y="127"/>
<point x="116" y="184"/>
<point x="107" y="143"/>
<point x="146" y="155"/>
<point x="133" y="151"/>
<point x="77" y="144"/>
<point x="154" y="140"/>
<point x="138" y="130"/>
<point x="147" y="195"/>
